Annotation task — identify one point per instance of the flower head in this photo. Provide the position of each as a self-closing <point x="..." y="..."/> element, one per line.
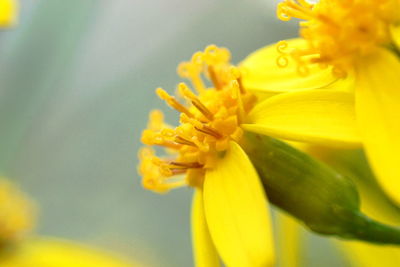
<point x="346" y="46"/>
<point x="339" y="32"/>
<point x="204" y="152"/>
<point x="209" y="120"/>
<point x="207" y="151"/>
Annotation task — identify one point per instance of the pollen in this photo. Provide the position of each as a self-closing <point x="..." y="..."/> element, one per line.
<point x="337" y="32"/>
<point x="211" y="110"/>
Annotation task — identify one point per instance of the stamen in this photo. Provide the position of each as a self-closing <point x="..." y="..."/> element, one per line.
<point x="208" y="122"/>
<point x="150" y="137"/>
<point x="191" y="70"/>
<point x="214" y="78"/>
<point x="337" y="32"/>
<point x="187" y="93"/>
<point x="238" y="96"/>
<point x="187" y="165"/>
<point x="294" y="9"/>
<point x="172" y="102"/>
<point x="201" y="127"/>
<point x="183" y="141"/>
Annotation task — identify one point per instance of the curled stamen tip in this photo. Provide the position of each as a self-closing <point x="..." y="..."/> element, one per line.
<point x="214" y="54"/>
<point x="197" y="58"/>
<point x="282" y="61"/>
<point x="281" y="12"/>
<point x="281" y="46"/>
<point x="183" y="69"/>
<point x="211" y="49"/>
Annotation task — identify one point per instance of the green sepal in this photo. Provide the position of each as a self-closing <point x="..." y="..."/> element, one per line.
<point x="324" y="200"/>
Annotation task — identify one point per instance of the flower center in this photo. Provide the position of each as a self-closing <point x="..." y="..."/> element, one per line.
<point x="337" y="31"/>
<point x="209" y="119"/>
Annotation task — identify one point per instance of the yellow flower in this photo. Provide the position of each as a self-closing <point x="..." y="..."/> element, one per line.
<point x="52" y="252"/>
<point x="230" y="216"/>
<point x="350" y="46"/>
<point x="17" y="213"/>
<point x="8" y="13"/>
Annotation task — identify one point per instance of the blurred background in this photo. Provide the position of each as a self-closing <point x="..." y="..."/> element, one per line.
<point x="77" y="83"/>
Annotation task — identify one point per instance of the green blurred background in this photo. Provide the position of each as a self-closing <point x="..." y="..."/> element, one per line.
<point x="77" y="82"/>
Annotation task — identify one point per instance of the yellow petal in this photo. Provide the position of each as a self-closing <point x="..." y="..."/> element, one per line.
<point x="323" y="117"/>
<point x="378" y="116"/>
<point x="289" y="240"/>
<point x="261" y="73"/>
<point x="8" y="12"/>
<point x="51" y="252"/>
<point x="395" y="31"/>
<point x="237" y="213"/>
<point x="205" y="254"/>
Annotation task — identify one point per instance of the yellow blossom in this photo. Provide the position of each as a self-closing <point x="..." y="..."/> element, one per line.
<point x="230" y="216"/>
<point x="8" y="12"/>
<point x="349" y="46"/>
<point x="17" y="213"/>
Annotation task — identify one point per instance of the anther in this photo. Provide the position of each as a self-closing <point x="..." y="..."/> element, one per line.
<point x="201" y="127"/>
<point x="187" y="93"/>
<point x="186" y="165"/>
<point x="183" y="141"/>
<point x="214" y="78"/>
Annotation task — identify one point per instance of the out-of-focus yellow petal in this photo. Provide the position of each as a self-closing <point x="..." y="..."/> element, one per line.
<point x="378" y="116"/>
<point x="323" y="117"/>
<point x="362" y="254"/>
<point x="289" y="239"/>
<point x="49" y="252"/>
<point x="260" y="72"/>
<point x="205" y="254"/>
<point x="17" y="213"/>
<point x="8" y="12"/>
<point x="236" y="211"/>
<point x="395" y="31"/>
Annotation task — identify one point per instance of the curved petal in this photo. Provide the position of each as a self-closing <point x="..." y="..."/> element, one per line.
<point x="205" y="254"/>
<point x="237" y="213"/>
<point x="323" y="117"/>
<point x="52" y="252"/>
<point x="378" y="116"/>
<point x="260" y="72"/>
